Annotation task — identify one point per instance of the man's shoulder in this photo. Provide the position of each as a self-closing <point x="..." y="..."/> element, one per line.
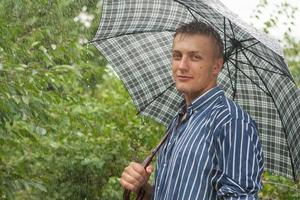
<point x="230" y="116"/>
<point x="230" y="110"/>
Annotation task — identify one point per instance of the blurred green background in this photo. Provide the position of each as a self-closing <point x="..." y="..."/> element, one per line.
<point x="67" y="125"/>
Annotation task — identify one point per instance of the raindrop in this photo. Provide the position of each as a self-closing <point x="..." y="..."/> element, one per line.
<point x="34" y="72"/>
<point x="76" y="19"/>
<point x="83" y="41"/>
<point x="87" y="48"/>
<point x="53" y="46"/>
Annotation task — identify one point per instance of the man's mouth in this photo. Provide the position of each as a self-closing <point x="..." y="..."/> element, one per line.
<point x="184" y="78"/>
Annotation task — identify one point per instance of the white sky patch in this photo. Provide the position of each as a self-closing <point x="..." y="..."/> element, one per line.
<point x="245" y="9"/>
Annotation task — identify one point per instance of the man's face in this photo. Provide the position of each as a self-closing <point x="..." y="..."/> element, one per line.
<point x="195" y="65"/>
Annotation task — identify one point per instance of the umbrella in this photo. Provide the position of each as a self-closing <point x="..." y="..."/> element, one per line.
<point x="136" y="37"/>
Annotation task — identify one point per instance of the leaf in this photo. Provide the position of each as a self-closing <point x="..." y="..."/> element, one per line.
<point x="25" y="99"/>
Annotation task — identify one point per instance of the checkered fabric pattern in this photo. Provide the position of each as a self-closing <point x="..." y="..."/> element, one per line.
<point x="136" y="38"/>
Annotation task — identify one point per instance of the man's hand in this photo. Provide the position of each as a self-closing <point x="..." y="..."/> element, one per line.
<point x="135" y="176"/>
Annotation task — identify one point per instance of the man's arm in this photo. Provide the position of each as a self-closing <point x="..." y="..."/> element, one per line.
<point x="240" y="161"/>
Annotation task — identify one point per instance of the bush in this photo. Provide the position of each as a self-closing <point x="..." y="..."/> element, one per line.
<point x="67" y="125"/>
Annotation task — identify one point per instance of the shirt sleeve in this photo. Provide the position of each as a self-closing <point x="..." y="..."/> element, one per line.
<point x="240" y="161"/>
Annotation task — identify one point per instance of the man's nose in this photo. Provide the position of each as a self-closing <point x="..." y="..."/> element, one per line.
<point x="183" y="63"/>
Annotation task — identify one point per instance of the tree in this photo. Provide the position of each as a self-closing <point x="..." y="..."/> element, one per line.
<point x="283" y="15"/>
<point x="67" y="125"/>
<point x="276" y="187"/>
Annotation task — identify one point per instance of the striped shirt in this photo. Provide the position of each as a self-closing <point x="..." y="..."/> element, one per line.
<point x="214" y="153"/>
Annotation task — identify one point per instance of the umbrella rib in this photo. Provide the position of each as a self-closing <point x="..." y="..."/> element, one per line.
<point x="244" y="47"/>
<point x="235" y="75"/>
<point x="247" y="48"/>
<point x="216" y="27"/>
<point x="281" y="119"/>
<point x="231" y="28"/>
<point x="132" y="33"/>
<point x="245" y="63"/>
<point x="286" y="74"/>
<point x="241" y="41"/>
<point x="227" y="65"/>
<point x="192" y="13"/>
<point x="143" y="108"/>
<point x="229" y="74"/>
<point x="225" y="36"/>
<point x="224" y="31"/>
<point x="236" y="44"/>
<point x="267" y="93"/>
<point x="246" y="40"/>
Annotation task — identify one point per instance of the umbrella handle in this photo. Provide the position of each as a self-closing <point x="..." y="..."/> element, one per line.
<point x="145" y="164"/>
<point x="126" y="194"/>
<point x="140" y="196"/>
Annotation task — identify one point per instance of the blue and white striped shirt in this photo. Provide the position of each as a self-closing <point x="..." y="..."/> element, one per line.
<point x="214" y="153"/>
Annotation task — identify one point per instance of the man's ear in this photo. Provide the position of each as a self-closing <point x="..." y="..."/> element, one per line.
<point x="218" y="65"/>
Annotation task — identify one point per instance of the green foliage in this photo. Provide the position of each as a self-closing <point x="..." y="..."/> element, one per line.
<point x="67" y="125"/>
<point x="282" y="15"/>
<point x="277" y="187"/>
<point x="292" y="54"/>
<point x="281" y="8"/>
<point x="66" y="122"/>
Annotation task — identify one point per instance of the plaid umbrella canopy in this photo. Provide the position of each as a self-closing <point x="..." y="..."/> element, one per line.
<point x="136" y="38"/>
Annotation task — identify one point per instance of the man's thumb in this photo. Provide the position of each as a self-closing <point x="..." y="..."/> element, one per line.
<point x="149" y="169"/>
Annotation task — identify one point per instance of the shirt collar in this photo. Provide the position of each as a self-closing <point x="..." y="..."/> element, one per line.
<point x="202" y="101"/>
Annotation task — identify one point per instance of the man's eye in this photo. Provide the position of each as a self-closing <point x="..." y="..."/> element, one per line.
<point x="196" y="57"/>
<point x="176" y="57"/>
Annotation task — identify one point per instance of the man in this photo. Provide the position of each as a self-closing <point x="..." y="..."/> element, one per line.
<point x="213" y="150"/>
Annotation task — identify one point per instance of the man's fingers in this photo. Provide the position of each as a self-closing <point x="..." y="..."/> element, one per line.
<point x="133" y="177"/>
<point x="141" y="170"/>
<point x="138" y="168"/>
<point x="129" y="186"/>
<point x="136" y="173"/>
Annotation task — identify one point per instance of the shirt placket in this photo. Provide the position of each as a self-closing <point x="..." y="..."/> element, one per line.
<point x="177" y="131"/>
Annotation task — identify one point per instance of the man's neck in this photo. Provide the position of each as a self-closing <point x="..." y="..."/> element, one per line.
<point x="190" y="97"/>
